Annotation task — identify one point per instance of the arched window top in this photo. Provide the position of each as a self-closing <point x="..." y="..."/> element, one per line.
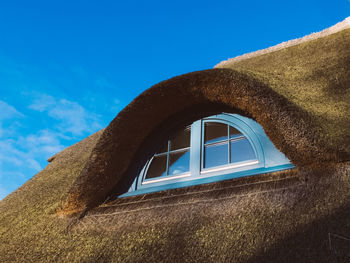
<point x="172" y="158"/>
<point x="228" y="142"/>
<point x="215" y="148"/>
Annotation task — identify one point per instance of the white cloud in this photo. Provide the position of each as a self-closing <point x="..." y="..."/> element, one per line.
<point x="34" y="165"/>
<point x="71" y="116"/>
<point x="9" y="155"/>
<point x="74" y="118"/>
<point x="20" y="157"/>
<point x="42" y="137"/>
<point x="44" y="143"/>
<point x="3" y="192"/>
<point x="42" y="103"/>
<point x="116" y="106"/>
<point x="7" y="111"/>
<point x="25" y="152"/>
<point x="8" y="114"/>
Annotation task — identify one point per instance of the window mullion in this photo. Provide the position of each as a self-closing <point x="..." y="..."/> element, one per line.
<point x="167" y="158"/>
<point x="195" y="151"/>
<point x="229" y="144"/>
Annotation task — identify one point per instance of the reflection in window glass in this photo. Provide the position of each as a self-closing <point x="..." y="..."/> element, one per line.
<point x="179" y="162"/>
<point x="181" y="139"/>
<point x="157" y="167"/>
<point x="216" y="147"/>
<point x="163" y="148"/>
<point x="241" y="150"/>
<point x="174" y="159"/>
<point x="214" y="132"/>
<point x="234" y="133"/>
<point x="215" y="155"/>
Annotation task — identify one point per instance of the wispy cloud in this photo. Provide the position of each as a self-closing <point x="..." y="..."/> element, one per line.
<point x="44" y="143"/>
<point x="67" y="121"/>
<point x="42" y="103"/>
<point x="74" y="118"/>
<point x="7" y="111"/>
<point x="116" y="105"/>
<point x="22" y="155"/>
<point x="25" y="152"/>
<point x="71" y="116"/>
<point x="33" y="164"/>
<point x="3" y="192"/>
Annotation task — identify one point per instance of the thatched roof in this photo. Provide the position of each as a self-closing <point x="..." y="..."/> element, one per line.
<point x="299" y="94"/>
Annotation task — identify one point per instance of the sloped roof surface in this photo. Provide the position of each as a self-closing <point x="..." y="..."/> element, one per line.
<point x="307" y="221"/>
<point x="315" y="76"/>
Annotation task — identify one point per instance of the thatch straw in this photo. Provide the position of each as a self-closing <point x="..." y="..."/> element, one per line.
<point x="326" y="32"/>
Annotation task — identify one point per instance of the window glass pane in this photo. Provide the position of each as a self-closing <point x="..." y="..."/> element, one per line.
<point x="163" y="148"/>
<point x="215" y="155"/>
<point x="241" y="150"/>
<point x="157" y="167"/>
<point x="179" y="162"/>
<point x="214" y="132"/>
<point x="234" y="132"/>
<point x="181" y="139"/>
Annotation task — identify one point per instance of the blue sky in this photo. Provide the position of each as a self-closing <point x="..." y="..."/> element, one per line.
<point x="68" y="67"/>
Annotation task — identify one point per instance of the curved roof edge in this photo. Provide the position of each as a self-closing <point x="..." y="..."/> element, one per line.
<point x="328" y="31"/>
<point x="291" y="129"/>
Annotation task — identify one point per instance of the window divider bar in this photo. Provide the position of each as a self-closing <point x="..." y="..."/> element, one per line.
<point x="160" y="154"/>
<point x="195" y="149"/>
<point x="179" y="150"/>
<point x="167" y="159"/>
<point x="238" y="138"/>
<point x="229" y="144"/>
<point x="216" y="143"/>
<point x="173" y="151"/>
<point x="225" y="140"/>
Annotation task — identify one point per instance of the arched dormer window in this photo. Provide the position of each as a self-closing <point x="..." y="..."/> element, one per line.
<point x="211" y="149"/>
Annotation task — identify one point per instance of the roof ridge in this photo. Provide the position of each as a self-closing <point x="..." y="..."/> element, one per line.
<point x="326" y="32"/>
